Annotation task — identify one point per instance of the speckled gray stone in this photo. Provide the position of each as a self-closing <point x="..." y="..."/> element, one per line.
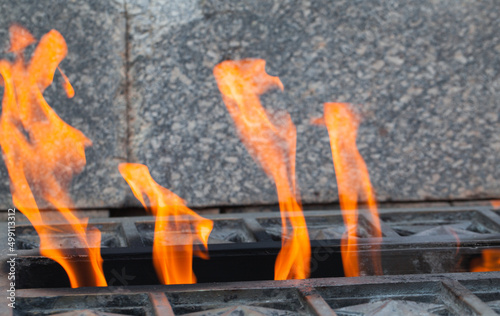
<point x="424" y="77"/>
<point x="95" y="34"/>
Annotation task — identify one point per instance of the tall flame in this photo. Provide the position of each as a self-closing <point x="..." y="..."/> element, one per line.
<point x="273" y="146"/>
<point x="42" y="153"/>
<point x="177" y="227"/>
<point x="353" y="182"/>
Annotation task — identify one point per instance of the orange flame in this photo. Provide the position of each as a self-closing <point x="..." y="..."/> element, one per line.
<point x="353" y="182"/>
<point x="177" y="227"/>
<point x="42" y="153"/>
<point x="490" y="261"/>
<point x="273" y="147"/>
<point x="495" y="204"/>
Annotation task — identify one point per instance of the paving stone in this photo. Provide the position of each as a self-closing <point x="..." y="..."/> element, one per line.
<point x="95" y="35"/>
<point x="423" y="76"/>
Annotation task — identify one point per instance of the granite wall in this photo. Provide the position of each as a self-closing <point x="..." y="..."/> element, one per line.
<point x="424" y="77"/>
<point x="95" y="65"/>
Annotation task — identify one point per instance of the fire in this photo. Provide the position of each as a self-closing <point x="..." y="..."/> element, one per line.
<point x="490" y="261"/>
<point x="177" y="227"/>
<point x="272" y="145"/>
<point x="353" y="182"/>
<point x="495" y="204"/>
<point x="42" y="153"/>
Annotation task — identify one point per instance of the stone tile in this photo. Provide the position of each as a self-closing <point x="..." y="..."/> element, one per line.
<point x="423" y="76"/>
<point x="95" y="35"/>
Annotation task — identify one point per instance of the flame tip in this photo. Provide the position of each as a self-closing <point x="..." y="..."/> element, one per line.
<point x="20" y="38"/>
<point x="320" y="121"/>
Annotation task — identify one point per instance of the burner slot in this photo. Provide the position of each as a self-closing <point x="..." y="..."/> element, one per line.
<point x="228" y="263"/>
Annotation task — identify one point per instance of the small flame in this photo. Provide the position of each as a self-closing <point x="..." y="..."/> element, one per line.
<point x="70" y="92"/>
<point x="495" y="204"/>
<point x="490" y="261"/>
<point x="273" y="146"/>
<point x="353" y="182"/>
<point x="42" y="153"/>
<point x="177" y="227"/>
<point x="23" y="39"/>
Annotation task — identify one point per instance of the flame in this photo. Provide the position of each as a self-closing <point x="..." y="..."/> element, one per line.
<point x="490" y="261"/>
<point x="42" y="153"/>
<point x="495" y="204"/>
<point x="273" y="146"/>
<point x="353" y="182"/>
<point x="177" y="227"/>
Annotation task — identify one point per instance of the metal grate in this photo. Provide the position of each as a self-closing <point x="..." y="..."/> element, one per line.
<point x="441" y="294"/>
<point x="426" y="245"/>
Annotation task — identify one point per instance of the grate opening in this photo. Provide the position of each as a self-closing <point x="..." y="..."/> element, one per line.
<point x="133" y="304"/>
<point x="463" y="223"/>
<point x="422" y="298"/>
<point x="112" y="236"/>
<point x="268" y="301"/>
<point x="319" y="227"/>
<point x="224" y="231"/>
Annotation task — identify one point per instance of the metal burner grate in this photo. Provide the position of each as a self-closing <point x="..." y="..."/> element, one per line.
<point x="425" y="244"/>
<point x="445" y="294"/>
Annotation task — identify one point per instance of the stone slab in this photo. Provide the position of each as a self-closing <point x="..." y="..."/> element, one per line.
<point x="424" y="77"/>
<point x="95" y="64"/>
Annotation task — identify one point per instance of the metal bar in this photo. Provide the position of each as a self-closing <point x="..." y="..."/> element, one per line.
<point x="322" y="282"/>
<point x="131" y="233"/>
<point x="462" y="301"/>
<point x="317" y="304"/>
<point x="257" y="230"/>
<point x="385" y="228"/>
<point x="492" y="216"/>
<point x="161" y="304"/>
